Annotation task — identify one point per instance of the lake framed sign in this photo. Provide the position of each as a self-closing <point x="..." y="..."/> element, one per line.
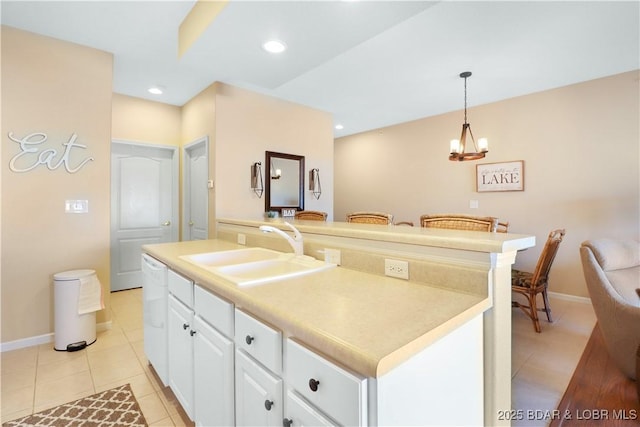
<point x="506" y="176"/>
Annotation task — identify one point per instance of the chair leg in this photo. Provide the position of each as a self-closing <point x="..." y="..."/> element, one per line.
<point x="547" y="307"/>
<point x="534" y="312"/>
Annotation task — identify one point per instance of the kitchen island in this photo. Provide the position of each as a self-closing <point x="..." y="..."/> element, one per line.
<point x="418" y="347"/>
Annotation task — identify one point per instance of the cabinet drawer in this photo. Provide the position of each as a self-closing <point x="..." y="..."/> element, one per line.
<point x="180" y="287"/>
<point x="259" y="340"/>
<point x="213" y="309"/>
<point x="337" y="392"/>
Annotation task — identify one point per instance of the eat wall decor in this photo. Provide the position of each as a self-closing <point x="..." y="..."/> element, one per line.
<point x="506" y="176"/>
<point x="32" y="154"/>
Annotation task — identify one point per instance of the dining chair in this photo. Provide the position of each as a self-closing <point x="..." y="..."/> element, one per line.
<point x="537" y="282"/>
<point x="370" y="218"/>
<point x="311" y="215"/>
<point x="459" y="222"/>
<point x="409" y="223"/>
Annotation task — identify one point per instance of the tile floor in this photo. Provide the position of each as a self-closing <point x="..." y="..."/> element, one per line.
<point x="37" y="378"/>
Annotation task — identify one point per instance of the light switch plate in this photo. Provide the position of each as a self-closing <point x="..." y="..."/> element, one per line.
<point x="76" y="206"/>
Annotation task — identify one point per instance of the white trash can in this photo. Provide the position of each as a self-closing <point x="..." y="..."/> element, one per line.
<point x="72" y="331"/>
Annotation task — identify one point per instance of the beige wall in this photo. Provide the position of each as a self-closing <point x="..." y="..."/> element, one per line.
<point x="140" y="120"/>
<point x="247" y="125"/>
<point x="198" y="121"/>
<point x="580" y="145"/>
<point x="56" y="88"/>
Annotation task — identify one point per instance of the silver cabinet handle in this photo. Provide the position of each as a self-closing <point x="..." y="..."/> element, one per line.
<point x="166" y="223"/>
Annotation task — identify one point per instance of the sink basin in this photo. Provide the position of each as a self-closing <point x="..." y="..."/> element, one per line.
<point x="255" y="266"/>
<point x="260" y="272"/>
<point x="235" y="256"/>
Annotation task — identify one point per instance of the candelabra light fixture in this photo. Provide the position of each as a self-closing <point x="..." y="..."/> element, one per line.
<point x="457" y="151"/>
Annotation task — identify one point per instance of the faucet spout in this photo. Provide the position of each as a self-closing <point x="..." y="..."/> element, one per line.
<point x="295" y="241"/>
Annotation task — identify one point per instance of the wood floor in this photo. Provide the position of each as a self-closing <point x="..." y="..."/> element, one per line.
<point x="598" y="393"/>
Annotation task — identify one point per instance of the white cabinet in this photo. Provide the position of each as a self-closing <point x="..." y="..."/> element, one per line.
<point x="259" y="399"/>
<point x="298" y="412"/>
<point x="214" y="366"/>
<point x="201" y="359"/>
<point x="258" y="393"/>
<point x="338" y="393"/>
<point x="181" y="353"/>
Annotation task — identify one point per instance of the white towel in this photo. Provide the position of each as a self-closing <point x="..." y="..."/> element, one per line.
<point x="90" y="295"/>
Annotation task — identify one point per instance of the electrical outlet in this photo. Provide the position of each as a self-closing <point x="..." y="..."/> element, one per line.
<point x="473" y="204"/>
<point x="242" y="239"/>
<point x="396" y="268"/>
<point x="332" y="256"/>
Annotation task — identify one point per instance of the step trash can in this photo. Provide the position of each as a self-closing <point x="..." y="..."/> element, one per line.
<point x="77" y="295"/>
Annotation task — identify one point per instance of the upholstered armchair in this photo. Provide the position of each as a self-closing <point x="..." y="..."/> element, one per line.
<point x="612" y="272"/>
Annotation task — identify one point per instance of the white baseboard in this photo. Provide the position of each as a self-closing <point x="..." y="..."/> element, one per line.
<point x="567" y="297"/>
<point x="42" y="339"/>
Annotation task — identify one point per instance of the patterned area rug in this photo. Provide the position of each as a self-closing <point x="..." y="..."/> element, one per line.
<point x="115" y="407"/>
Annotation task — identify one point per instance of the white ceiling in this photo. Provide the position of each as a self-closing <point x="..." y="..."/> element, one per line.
<point x="369" y="63"/>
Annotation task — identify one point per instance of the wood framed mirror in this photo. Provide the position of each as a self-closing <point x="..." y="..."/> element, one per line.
<point x="284" y="181"/>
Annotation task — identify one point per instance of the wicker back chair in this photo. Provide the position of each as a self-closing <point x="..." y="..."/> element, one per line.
<point x="370" y="218"/>
<point x="532" y="284"/>
<point x="311" y="215"/>
<point x="503" y="227"/>
<point x="459" y="222"/>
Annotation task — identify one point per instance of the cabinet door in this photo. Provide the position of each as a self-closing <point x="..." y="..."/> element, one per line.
<point x="258" y="394"/>
<point x="180" y="321"/>
<point x="214" y="391"/>
<point x="300" y="413"/>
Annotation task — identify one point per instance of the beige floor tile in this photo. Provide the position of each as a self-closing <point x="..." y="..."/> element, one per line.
<point x="17" y="399"/>
<point x="22" y="359"/>
<point x="108" y="339"/>
<point x="116" y="371"/>
<point x="47" y="354"/>
<point x="111" y="355"/>
<point x="62" y="390"/>
<point x="61" y="369"/>
<point x="10" y="416"/>
<point x="152" y="408"/>
<point x="18" y="378"/>
<point x="140" y="385"/>
<point x="166" y="422"/>
<point x="134" y="335"/>
<point x="181" y="420"/>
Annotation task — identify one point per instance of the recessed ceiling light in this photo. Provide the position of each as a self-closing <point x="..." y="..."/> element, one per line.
<point x="156" y="90"/>
<point x="274" y="46"/>
<point x="339" y="127"/>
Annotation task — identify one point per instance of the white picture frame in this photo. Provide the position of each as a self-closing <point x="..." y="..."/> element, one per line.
<point x="503" y="176"/>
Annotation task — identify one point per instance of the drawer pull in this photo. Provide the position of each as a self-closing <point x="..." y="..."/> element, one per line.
<point x="268" y="404"/>
<point x="249" y="339"/>
<point x="192" y="332"/>
<point x="287" y="422"/>
<point x="185" y="326"/>
<point x="313" y="384"/>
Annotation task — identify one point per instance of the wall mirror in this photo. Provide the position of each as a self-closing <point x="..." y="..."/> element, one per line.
<point x="284" y="179"/>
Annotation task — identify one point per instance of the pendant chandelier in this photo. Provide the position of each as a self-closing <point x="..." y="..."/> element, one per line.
<point x="457" y="151"/>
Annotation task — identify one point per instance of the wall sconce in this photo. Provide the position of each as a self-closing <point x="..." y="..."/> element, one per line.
<point x="314" y="183"/>
<point x="256" y="179"/>
<point x="275" y="173"/>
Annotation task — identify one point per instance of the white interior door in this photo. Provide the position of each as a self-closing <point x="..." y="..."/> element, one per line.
<point x="144" y="206"/>
<point x="196" y="190"/>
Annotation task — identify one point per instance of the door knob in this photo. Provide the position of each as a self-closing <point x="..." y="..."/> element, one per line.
<point x="166" y="223"/>
<point x="248" y="339"/>
<point x="190" y="223"/>
<point x="185" y="326"/>
<point x="268" y="404"/>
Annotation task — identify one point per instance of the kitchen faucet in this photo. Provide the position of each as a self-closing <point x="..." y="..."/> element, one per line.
<point x="295" y="242"/>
